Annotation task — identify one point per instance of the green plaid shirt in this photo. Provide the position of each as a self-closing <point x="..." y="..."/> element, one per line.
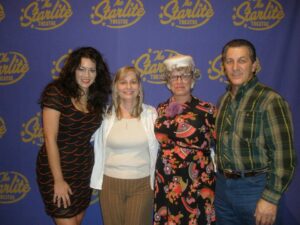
<point x="254" y="131"/>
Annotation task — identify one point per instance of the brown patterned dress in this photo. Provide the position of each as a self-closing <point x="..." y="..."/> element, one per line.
<point x="76" y="155"/>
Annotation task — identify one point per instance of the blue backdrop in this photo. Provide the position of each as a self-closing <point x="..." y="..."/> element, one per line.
<point x="37" y="35"/>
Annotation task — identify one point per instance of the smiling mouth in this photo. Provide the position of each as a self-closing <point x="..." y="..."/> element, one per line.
<point x="236" y="76"/>
<point x="236" y="73"/>
<point x="128" y="93"/>
<point x="86" y="81"/>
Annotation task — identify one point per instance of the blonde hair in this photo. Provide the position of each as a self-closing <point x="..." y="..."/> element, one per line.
<point x="137" y="108"/>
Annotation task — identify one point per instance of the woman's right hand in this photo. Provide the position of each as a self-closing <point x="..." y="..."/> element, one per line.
<point x="62" y="192"/>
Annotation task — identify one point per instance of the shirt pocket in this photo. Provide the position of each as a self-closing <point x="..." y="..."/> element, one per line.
<point x="248" y="124"/>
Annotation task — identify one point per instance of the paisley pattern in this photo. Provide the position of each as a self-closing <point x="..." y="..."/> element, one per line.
<point x="185" y="179"/>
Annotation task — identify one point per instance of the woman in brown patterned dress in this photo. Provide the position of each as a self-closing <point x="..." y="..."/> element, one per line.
<point x="184" y="179"/>
<point x="72" y="108"/>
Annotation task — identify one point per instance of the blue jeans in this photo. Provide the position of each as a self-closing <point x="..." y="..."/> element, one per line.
<point x="236" y="199"/>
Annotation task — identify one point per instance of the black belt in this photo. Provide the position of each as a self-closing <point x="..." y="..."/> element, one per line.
<point x="231" y="174"/>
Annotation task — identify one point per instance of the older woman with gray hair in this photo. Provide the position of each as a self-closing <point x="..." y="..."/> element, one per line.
<point x="184" y="175"/>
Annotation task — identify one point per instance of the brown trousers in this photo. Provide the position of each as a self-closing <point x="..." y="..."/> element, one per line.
<point x="126" y="201"/>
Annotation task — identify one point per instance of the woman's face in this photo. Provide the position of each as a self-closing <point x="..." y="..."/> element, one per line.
<point x="127" y="87"/>
<point x="180" y="83"/>
<point x="86" y="73"/>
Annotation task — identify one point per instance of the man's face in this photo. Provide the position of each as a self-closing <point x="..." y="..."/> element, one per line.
<point x="238" y="66"/>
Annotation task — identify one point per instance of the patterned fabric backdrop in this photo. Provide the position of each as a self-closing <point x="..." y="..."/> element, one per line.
<point x="37" y="35"/>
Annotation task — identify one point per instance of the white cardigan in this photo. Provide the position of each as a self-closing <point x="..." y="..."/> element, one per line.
<point x="148" y="117"/>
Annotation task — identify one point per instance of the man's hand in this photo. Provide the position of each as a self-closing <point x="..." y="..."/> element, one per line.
<point x="265" y="212"/>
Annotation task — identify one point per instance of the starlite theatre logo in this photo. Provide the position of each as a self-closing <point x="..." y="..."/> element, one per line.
<point x="2" y="13"/>
<point x="186" y="14"/>
<point x="216" y="69"/>
<point x="150" y="65"/>
<point x="46" y="14"/>
<point x="119" y="14"/>
<point x="2" y="127"/>
<point x="13" y="187"/>
<point x="58" y="64"/>
<point x="13" y="67"/>
<point x="32" y="131"/>
<point x="258" y="15"/>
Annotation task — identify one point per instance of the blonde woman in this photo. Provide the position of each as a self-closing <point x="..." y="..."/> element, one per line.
<point x="125" y="154"/>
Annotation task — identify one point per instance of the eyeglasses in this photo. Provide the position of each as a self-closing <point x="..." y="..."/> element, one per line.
<point x="83" y="70"/>
<point x="183" y="77"/>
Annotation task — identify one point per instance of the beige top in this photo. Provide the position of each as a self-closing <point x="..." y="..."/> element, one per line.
<point x="127" y="153"/>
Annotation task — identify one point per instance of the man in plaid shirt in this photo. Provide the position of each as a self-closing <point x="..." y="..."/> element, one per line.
<point x="255" y="152"/>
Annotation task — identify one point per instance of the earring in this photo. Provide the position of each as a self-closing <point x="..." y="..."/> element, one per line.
<point x="192" y="85"/>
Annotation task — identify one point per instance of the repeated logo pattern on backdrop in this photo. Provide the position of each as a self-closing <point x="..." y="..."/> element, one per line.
<point x="258" y="15"/>
<point x="117" y="14"/>
<point x="13" y="67"/>
<point x="150" y="64"/>
<point x="46" y="15"/>
<point x="2" y="127"/>
<point x="32" y="131"/>
<point x="36" y="36"/>
<point x="14" y="186"/>
<point x="186" y="14"/>
<point x="2" y="13"/>
<point x="58" y="64"/>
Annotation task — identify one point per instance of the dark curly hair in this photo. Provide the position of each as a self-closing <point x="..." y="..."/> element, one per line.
<point x="98" y="94"/>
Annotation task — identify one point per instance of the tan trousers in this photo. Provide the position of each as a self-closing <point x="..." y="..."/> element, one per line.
<point x="126" y="201"/>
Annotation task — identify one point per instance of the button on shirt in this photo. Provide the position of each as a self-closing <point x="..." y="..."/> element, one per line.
<point x="254" y="131"/>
